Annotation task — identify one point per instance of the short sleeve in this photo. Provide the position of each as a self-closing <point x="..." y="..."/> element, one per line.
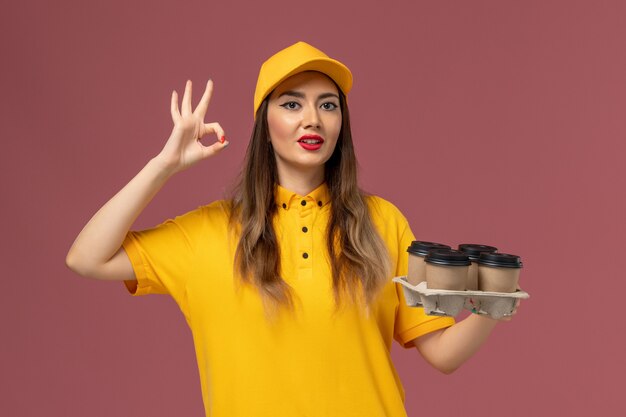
<point x="412" y="322"/>
<point x="163" y="256"/>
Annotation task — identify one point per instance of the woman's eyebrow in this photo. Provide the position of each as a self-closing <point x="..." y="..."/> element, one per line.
<point x="292" y="93"/>
<point x="325" y="95"/>
<point x="301" y="95"/>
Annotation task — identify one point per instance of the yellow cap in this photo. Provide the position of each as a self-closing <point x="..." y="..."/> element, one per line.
<point x="294" y="59"/>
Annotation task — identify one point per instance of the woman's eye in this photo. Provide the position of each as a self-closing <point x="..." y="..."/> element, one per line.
<point x="291" y="105"/>
<point x="329" y="106"/>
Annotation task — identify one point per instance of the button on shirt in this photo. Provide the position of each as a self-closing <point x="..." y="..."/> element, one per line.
<point x="300" y="226"/>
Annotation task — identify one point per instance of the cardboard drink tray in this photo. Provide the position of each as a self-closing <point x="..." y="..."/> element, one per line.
<point x="450" y="303"/>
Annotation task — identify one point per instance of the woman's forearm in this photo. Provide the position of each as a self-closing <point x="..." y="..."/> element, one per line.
<point x="103" y="235"/>
<point x="448" y="349"/>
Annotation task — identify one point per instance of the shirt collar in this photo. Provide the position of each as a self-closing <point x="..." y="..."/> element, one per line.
<point x="285" y="198"/>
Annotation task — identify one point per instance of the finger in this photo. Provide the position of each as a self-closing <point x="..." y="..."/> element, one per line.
<point x="215" y="127"/>
<point x="174" y="107"/>
<point x="213" y="149"/>
<point x="204" y="101"/>
<point x="186" y="106"/>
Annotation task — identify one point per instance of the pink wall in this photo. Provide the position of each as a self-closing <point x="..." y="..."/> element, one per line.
<point x="515" y="108"/>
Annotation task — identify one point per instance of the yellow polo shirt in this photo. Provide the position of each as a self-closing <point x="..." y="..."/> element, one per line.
<point x="307" y="362"/>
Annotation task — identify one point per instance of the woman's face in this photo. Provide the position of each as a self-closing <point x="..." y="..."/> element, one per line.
<point x="304" y="120"/>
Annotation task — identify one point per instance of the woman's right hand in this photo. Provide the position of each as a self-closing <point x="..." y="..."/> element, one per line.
<point x="183" y="148"/>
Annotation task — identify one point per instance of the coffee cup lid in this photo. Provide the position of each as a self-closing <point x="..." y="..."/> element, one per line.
<point x="501" y="260"/>
<point x="421" y="248"/>
<point x="447" y="257"/>
<point x="474" y="250"/>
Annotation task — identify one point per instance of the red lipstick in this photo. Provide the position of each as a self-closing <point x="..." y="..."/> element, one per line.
<point x="311" y="142"/>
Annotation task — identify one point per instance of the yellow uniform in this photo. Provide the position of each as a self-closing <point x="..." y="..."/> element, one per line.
<point x="306" y="363"/>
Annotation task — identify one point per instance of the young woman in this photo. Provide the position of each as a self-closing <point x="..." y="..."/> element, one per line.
<point x="286" y="286"/>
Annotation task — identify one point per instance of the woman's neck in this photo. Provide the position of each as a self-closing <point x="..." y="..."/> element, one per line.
<point x="301" y="182"/>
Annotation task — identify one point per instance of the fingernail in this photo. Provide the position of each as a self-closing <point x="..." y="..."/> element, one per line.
<point x="222" y="139"/>
<point x="226" y="144"/>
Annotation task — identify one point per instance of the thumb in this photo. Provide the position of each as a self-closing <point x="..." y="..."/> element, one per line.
<point x="214" y="149"/>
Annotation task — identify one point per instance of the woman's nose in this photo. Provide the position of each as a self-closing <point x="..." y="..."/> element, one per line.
<point x="311" y="117"/>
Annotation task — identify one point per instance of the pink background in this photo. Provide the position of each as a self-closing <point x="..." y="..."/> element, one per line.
<point x="497" y="122"/>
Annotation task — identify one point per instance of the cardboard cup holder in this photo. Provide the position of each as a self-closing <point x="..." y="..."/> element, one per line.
<point x="450" y="303"/>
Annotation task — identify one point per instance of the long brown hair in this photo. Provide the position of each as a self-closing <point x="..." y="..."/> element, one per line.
<point x="358" y="256"/>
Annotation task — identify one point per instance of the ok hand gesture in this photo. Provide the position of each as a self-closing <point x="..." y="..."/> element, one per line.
<point x="183" y="148"/>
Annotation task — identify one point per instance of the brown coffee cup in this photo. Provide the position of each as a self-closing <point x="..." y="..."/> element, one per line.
<point x="498" y="272"/>
<point x="446" y="269"/>
<point x="473" y="252"/>
<point x="417" y="251"/>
